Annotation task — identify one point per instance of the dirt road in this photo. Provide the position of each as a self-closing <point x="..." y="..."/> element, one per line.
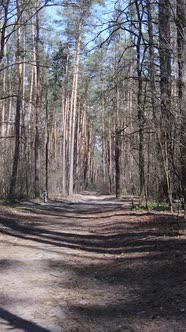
<point x="91" y="265"/>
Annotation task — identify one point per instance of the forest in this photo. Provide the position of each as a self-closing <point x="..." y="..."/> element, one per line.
<point x="93" y="165"/>
<point x="93" y="96"/>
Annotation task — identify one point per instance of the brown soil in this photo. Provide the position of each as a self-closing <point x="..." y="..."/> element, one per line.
<point x="91" y="266"/>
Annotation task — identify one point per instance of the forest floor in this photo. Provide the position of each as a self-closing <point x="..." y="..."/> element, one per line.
<point x="91" y="265"/>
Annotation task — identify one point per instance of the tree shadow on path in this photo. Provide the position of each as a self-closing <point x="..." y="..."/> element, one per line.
<point x="15" y="322"/>
<point x="142" y="275"/>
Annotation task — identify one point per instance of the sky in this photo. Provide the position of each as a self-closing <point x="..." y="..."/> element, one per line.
<point x="102" y="16"/>
<point x="104" y="10"/>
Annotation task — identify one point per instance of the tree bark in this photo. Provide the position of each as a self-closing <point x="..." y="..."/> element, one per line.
<point x="165" y="91"/>
<point x="12" y="189"/>
<point x="37" y="108"/>
<point x="141" y="117"/>
<point x="117" y="162"/>
<point x="181" y="44"/>
<point x="74" y="104"/>
<point x="65" y="106"/>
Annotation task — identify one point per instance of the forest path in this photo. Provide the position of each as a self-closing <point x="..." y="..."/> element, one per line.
<point x="91" y="265"/>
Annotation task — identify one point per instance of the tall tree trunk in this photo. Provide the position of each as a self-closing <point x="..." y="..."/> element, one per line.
<point x="3" y="117"/>
<point x="165" y="90"/>
<point x="141" y="117"/>
<point x="110" y="155"/>
<point x="181" y="41"/>
<point x="74" y="104"/>
<point x="12" y="190"/>
<point x="103" y="136"/>
<point x="47" y="147"/>
<point x="117" y="142"/>
<point x="37" y="108"/>
<point x="65" y="107"/>
<point x="117" y="162"/>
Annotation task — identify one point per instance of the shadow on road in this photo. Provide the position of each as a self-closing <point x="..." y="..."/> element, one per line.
<point x="142" y="274"/>
<point x="14" y="322"/>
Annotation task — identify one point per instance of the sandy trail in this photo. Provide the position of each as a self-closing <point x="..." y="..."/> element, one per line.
<point x="89" y="265"/>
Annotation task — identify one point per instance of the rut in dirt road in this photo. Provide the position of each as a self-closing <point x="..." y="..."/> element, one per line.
<point x="91" y="265"/>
